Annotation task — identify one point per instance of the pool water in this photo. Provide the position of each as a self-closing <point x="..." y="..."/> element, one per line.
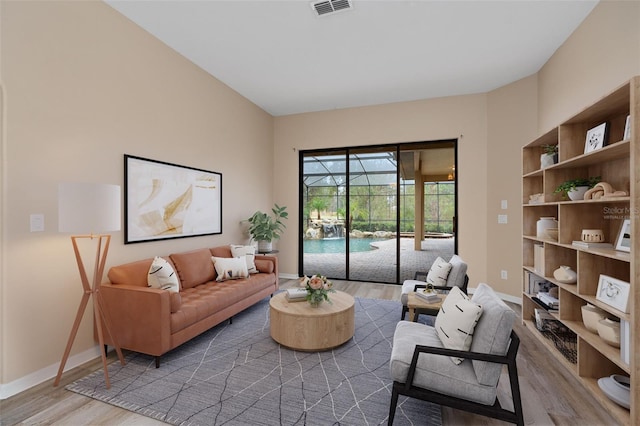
<point x="337" y="245"/>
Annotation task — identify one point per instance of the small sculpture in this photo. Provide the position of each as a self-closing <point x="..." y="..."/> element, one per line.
<point x="603" y="190"/>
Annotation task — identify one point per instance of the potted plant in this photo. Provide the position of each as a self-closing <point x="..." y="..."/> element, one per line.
<point x="264" y="228"/>
<point x="549" y="157"/>
<point x="575" y="188"/>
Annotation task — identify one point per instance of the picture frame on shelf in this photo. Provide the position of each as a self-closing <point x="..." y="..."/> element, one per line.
<point x="613" y="292"/>
<point x="623" y="241"/>
<point x="627" y="128"/>
<point x="596" y="138"/>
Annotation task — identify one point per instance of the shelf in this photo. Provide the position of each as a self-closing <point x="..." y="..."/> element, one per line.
<point x="597" y="343"/>
<point x="615" y="165"/>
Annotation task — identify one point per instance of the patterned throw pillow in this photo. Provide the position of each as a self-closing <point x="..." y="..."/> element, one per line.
<point x="230" y="268"/>
<point x="249" y="254"/>
<point x="439" y="272"/>
<point x="161" y="275"/>
<point x="456" y="321"/>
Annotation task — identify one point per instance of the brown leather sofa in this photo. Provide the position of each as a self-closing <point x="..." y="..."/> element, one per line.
<point x="154" y="321"/>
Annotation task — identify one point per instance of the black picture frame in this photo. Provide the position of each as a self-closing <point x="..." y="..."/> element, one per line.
<point x="164" y="200"/>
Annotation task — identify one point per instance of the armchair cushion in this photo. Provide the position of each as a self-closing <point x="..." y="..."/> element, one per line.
<point x="492" y="334"/>
<point x="439" y="272"/>
<point x="434" y="372"/>
<point x="456" y="321"/>
<point x="458" y="272"/>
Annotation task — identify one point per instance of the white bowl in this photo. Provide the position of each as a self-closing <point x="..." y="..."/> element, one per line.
<point x="614" y="388"/>
<point x="590" y="317"/>
<point x="609" y="331"/>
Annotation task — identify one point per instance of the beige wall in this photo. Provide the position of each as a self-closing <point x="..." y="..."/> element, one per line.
<point x="463" y="118"/>
<point x="601" y="54"/>
<point x="512" y="123"/>
<point x="83" y="87"/>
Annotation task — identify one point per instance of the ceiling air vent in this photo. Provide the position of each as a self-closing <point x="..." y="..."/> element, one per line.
<point x="327" y="7"/>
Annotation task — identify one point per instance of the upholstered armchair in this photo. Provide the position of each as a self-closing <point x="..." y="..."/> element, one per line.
<point x="422" y="366"/>
<point x="457" y="277"/>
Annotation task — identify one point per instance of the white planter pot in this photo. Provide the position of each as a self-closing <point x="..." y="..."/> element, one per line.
<point x="547" y="160"/>
<point x="265" y="247"/>
<point x="577" y="193"/>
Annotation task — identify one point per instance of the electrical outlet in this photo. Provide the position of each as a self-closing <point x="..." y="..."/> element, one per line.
<point x="502" y="218"/>
<point x="503" y="274"/>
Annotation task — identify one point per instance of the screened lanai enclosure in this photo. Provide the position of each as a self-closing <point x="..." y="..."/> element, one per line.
<point x="377" y="213"/>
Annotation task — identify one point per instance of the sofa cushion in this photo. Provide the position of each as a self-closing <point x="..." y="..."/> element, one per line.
<point x="133" y="273"/>
<point x="161" y="275"/>
<point x="434" y="372"/>
<point x="207" y="299"/>
<point x="492" y="334"/>
<point x="230" y="268"/>
<point x="194" y="267"/>
<point x="439" y="272"/>
<point x="456" y="321"/>
<point x="249" y="255"/>
<point x="264" y="266"/>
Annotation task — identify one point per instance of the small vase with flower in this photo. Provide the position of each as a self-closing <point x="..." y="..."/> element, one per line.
<point x="318" y="288"/>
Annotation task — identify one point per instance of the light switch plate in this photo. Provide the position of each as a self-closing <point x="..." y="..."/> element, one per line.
<point x="36" y="222"/>
<point x="503" y="204"/>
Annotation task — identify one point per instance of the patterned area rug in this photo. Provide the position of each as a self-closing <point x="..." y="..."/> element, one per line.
<point x="237" y="375"/>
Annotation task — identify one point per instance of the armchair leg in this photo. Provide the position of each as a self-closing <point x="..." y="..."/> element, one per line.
<point x="394" y="403"/>
<point x="404" y="312"/>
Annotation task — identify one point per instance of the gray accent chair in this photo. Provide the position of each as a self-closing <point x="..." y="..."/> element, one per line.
<point x="457" y="277"/>
<point x="422" y="368"/>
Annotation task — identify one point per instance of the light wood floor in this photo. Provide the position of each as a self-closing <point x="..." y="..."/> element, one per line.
<point x="550" y="395"/>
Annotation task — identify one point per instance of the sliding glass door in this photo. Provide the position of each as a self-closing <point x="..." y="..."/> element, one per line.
<point x="374" y="213"/>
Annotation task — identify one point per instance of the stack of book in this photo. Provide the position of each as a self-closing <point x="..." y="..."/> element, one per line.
<point x="586" y="245"/>
<point x="429" y="297"/>
<point x="550" y="301"/>
<point x="296" y="295"/>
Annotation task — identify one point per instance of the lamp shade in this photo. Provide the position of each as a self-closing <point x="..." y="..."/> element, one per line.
<point x="88" y="207"/>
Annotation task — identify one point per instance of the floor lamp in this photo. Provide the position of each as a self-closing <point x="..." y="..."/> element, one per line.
<point x="84" y="208"/>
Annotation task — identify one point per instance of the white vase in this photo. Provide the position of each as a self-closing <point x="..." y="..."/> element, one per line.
<point x="543" y="224"/>
<point x="565" y="274"/>
<point x="265" y="247"/>
<point x="577" y="193"/>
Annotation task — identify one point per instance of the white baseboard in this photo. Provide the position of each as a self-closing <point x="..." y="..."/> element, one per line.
<point x="13" y="388"/>
<point x="288" y="276"/>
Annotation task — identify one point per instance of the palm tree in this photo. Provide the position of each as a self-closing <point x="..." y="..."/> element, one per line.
<point x="318" y="204"/>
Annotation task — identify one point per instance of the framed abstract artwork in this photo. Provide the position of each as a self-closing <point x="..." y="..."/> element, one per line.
<point x="613" y="292"/>
<point x="623" y="242"/>
<point x="164" y="200"/>
<point x="596" y="138"/>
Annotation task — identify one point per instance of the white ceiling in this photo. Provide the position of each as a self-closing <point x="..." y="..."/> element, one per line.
<point x="287" y="60"/>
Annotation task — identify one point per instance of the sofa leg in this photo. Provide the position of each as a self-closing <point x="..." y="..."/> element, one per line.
<point x="157" y="362"/>
<point x="106" y="350"/>
<point x="230" y="320"/>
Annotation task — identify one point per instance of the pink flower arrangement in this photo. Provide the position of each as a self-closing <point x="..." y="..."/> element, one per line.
<point x="318" y="288"/>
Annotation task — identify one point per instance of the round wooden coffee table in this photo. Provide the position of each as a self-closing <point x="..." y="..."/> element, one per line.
<point x="297" y="325"/>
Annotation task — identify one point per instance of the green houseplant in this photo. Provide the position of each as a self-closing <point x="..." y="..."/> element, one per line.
<point x="569" y="188"/>
<point x="265" y="228"/>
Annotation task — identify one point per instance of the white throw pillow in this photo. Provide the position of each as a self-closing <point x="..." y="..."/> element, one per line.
<point x="249" y="254"/>
<point x="230" y="268"/>
<point x="439" y="272"/>
<point x="456" y="321"/>
<point x="161" y="275"/>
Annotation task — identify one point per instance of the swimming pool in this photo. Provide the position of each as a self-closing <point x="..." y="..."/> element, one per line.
<point x="337" y="245"/>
